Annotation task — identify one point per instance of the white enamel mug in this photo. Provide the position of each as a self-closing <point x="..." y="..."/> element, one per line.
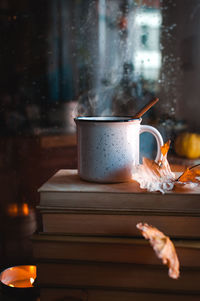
<point x="108" y="147"/>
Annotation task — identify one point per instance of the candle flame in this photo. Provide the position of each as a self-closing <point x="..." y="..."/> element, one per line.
<point x="19" y="276"/>
<point x="32" y="280"/>
<point x="25" y="209"/>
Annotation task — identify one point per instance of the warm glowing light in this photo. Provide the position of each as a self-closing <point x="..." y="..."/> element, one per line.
<point x="32" y="280"/>
<point x="12" y="209"/>
<point x="32" y="268"/>
<point x="15" y="209"/>
<point x="25" y="209"/>
<point x="19" y="276"/>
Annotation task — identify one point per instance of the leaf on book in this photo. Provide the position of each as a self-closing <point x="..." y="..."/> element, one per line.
<point x="159" y="177"/>
<point x="163" y="247"/>
<point x="190" y="175"/>
<point x="189" y="179"/>
<point x="155" y="176"/>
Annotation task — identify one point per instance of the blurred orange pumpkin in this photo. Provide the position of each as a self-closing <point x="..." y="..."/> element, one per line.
<point x="188" y="145"/>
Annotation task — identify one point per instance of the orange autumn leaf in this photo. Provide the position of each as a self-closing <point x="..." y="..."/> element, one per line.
<point x="162" y="168"/>
<point x="165" y="148"/>
<point x="155" y="176"/>
<point x="163" y="247"/>
<point x="190" y="175"/>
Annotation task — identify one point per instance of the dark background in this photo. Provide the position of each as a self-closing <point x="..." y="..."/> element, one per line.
<point x="49" y="61"/>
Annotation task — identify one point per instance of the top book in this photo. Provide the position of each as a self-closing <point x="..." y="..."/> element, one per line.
<point x="65" y="190"/>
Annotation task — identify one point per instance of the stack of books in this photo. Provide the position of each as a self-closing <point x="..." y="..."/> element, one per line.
<point x="90" y="249"/>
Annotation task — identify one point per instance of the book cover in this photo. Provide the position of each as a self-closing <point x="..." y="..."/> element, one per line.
<point x="90" y="294"/>
<point x="108" y="223"/>
<point x="66" y="190"/>
<point x="109" y="249"/>
<point x="116" y="275"/>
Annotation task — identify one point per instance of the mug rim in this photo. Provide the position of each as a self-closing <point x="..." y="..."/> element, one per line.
<point x="106" y="119"/>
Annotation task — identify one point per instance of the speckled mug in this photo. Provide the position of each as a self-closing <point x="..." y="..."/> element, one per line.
<point x="108" y="147"/>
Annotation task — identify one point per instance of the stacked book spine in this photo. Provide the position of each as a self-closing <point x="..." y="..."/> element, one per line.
<point x="90" y="249"/>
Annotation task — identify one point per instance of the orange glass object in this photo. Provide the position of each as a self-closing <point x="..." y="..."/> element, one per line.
<point x="19" y="276"/>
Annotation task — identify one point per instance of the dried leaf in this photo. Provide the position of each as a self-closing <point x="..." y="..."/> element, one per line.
<point x="163" y="247"/>
<point x="165" y="148"/>
<point x="190" y="175"/>
<point x="155" y="176"/>
<point x="159" y="177"/>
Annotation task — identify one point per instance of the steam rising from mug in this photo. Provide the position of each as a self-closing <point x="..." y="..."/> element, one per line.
<point x="95" y="103"/>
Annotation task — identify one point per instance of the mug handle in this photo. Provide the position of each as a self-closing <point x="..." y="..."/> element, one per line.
<point x="157" y="135"/>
